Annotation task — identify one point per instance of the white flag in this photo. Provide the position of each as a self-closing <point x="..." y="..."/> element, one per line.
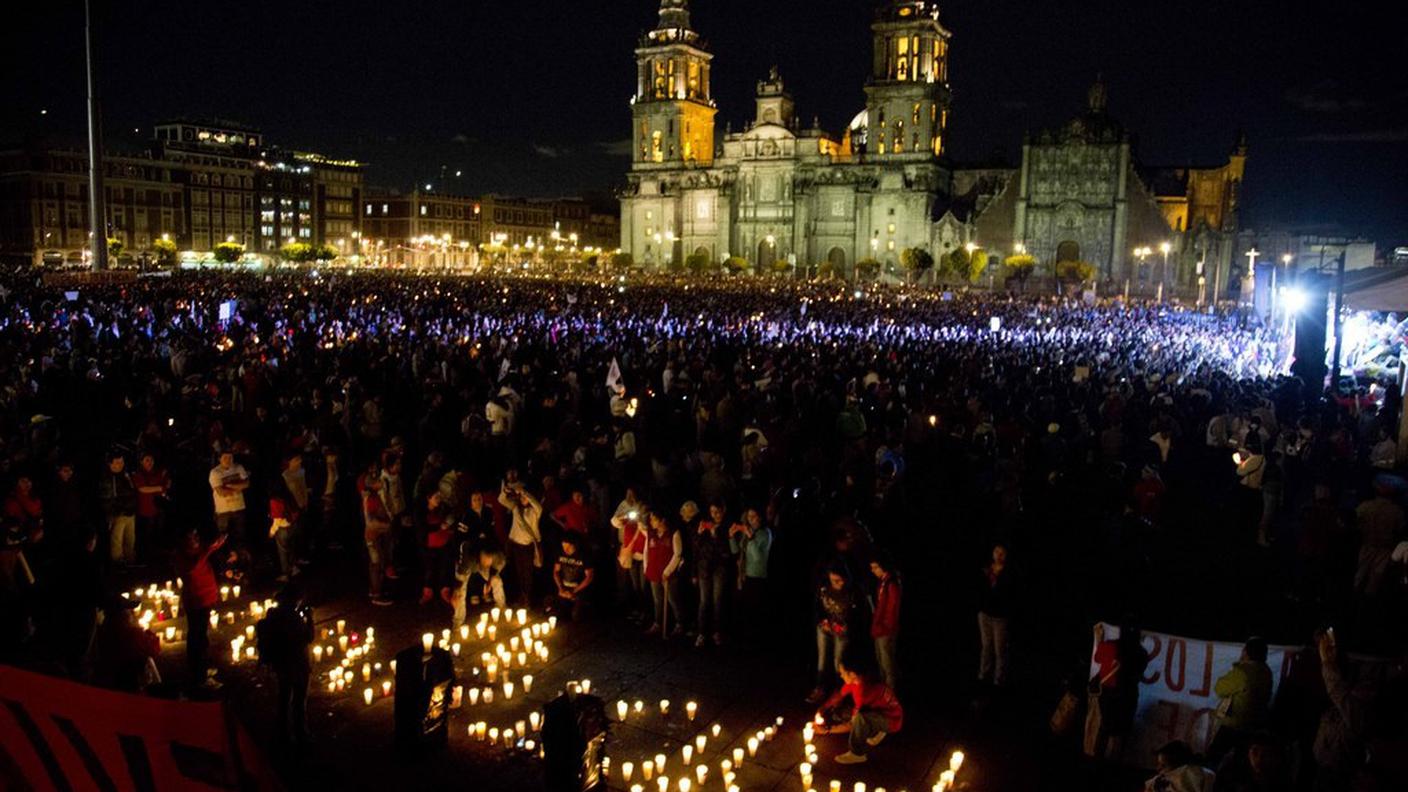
<point x="613" y="375"/>
<point x="504" y="369"/>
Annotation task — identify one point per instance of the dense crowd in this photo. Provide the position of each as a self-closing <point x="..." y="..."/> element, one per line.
<point x="712" y="460"/>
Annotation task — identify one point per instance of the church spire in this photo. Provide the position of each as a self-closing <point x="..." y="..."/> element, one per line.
<point x="1096" y="99"/>
<point x="674" y="15"/>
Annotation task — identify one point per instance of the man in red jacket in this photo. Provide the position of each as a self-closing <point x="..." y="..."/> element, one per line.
<point x="876" y="712"/>
<point x="885" y="627"/>
<point x="199" y="593"/>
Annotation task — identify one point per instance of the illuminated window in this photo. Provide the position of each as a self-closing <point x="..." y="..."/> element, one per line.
<point x="933" y="112"/>
<point x="891" y="228"/>
<point x="369" y="209"/>
<point x="915" y="118"/>
<point x="422" y="210"/>
<point x="656" y="150"/>
<point x="903" y="73"/>
<point x="882" y="142"/>
<point x="904" y="46"/>
<point x="649" y="215"/>
<point x="890" y="245"/>
<point x="385" y="208"/>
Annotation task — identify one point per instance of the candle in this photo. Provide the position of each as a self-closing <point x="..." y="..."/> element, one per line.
<point x="701" y="772"/>
<point x="342" y="643"/>
<point x="224" y="593"/>
<point x="647" y="769"/>
<point x="860" y="786"/>
<point x="494" y="734"/>
<point x="494" y="614"/>
<point x="945" y="781"/>
<point x="483" y="617"/>
<point x="769" y="733"/>
<point x="456" y="696"/>
<point x="639" y="706"/>
<point x="527" y="683"/>
<point x="170" y="634"/>
<point x="393" y="666"/>
<point x="366" y="672"/>
<point x="684" y="784"/>
<point x="752" y="746"/>
<point x="552" y="623"/>
<point x="808" y="749"/>
<point x="341" y="626"/>
<point x="371" y="634"/>
<point x="807" y="732"/>
<point x="332" y="686"/>
<point x="521" y="727"/>
<point x="508" y="690"/>
<point x="699" y="741"/>
<point x="738" y="757"/>
<point x="235" y="591"/>
<point x="522" y="659"/>
<point x="488" y="695"/>
<point x="479" y="729"/>
<point x="535" y="720"/>
<point x="249" y="652"/>
<point x="621" y="709"/>
<point x="522" y="616"/>
<point x="341" y="684"/>
<point x="214" y="619"/>
<point x="493" y="632"/>
<point x="664" y="706"/>
<point x="626" y="769"/>
<point x="473" y="696"/>
<point x="690" y="708"/>
<point x="385" y="687"/>
<point x="664" y="783"/>
<point x="427" y="641"/>
<point x="492" y="670"/>
<point x="955" y="761"/>
<point x="249" y="632"/>
<point x="660" y="762"/>
<point x="455" y="648"/>
<point x="687" y="752"/>
<point x="317" y="654"/>
<point x="479" y="629"/>
<point x="715" y="729"/>
<point x="725" y="765"/>
<point x="637" y="788"/>
<point x="367" y="696"/>
<point x="445" y="634"/>
<point x="586" y="686"/>
<point x="805" y="769"/>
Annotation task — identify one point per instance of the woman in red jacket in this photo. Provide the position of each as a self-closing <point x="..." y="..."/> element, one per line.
<point x="874" y="711"/>
<point x="885" y="627"/>
<point x="664" y="553"/>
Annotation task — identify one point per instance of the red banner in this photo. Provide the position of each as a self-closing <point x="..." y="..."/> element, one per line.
<point x="57" y="734"/>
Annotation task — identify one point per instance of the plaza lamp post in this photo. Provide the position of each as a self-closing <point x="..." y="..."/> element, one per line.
<point x="1164" y="248"/>
<point x="1140" y="253"/>
<point x="1202" y="282"/>
<point x="971" y="247"/>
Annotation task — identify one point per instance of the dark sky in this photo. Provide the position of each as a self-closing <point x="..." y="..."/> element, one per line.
<point x="531" y="97"/>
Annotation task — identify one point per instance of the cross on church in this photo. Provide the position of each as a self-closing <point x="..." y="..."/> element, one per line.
<point x="1251" y="256"/>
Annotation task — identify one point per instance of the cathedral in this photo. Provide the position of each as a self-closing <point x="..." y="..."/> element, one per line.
<point x="783" y="196"/>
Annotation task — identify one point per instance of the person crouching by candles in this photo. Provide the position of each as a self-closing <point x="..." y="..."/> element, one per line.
<point x="573" y="576"/>
<point x="871" y="714"/>
<point x="199" y="594"/>
<point x="836" y="609"/>
<point x="664" y="554"/>
<point x="284" y="635"/>
<point x="435" y="541"/>
<point x="483" y="574"/>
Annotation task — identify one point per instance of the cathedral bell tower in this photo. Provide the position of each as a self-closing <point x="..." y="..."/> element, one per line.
<point x="672" y="110"/>
<point x="907" y="96"/>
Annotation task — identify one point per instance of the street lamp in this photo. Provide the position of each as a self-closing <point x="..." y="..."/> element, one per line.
<point x="1164" y="248"/>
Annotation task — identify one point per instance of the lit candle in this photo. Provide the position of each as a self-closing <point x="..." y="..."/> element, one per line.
<point x="521" y="727"/>
<point x="249" y="632"/>
<point x="690" y="708"/>
<point x="455" y="648"/>
<point x="479" y="629"/>
<point x="170" y="634"/>
<point x="752" y="746"/>
<point x="664" y="706"/>
<point x="493" y="632"/>
<point x="647" y="769"/>
<point x="332" y="686"/>
<point x="626" y="769"/>
<point x="249" y="652"/>
<point x="660" y="762"/>
<point x="492" y="670"/>
<point x="715" y="729"/>
<point x="317" y="654"/>
<point x="860" y="786"/>
<point x="224" y="593"/>
<point x="699" y="741"/>
<point x="725" y="765"/>
<point x="687" y="752"/>
<point x="808" y="749"/>
<point x="522" y="617"/>
<point x="235" y="591"/>
<point x="807" y="732"/>
<point x="508" y="690"/>
<point x="367" y="696"/>
<point x="663" y="782"/>
<point x="488" y="695"/>
<point x="456" y="696"/>
<point x="737" y="757"/>
<point x="527" y="683"/>
<point x="639" y="706"/>
<point x="214" y="619"/>
<point x="701" y="772"/>
<point x="552" y="623"/>
<point x="341" y="626"/>
<point x="955" y="761"/>
<point x="586" y="686"/>
<point x="385" y="687"/>
<point x="945" y="781"/>
<point x="393" y="665"/>
<point x="366" y="672"/>
<point x="621" y="709"/>
<point x="427" y="641"/>
<point x="494" y="614"/>
<point x="769" y="733"/>
<point x="473" y="696"/>
<point x="494" y="734"/>
<point x="464" y="632"/>
<point x="371" y="634"/>
<point x="479" y="729"/>
<point x="342" y="643"/>
<point x="522" y="659"/>
<point x="535" y="720"/>
<point x="684" y="784"/>
<point x="445" y="634"/>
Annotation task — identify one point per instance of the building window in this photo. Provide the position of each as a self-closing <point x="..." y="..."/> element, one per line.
<point x="422" y="210"/>
<point x="369" y="210"/>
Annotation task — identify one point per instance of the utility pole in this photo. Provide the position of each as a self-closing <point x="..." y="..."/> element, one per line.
<point x="1339" y="321"/>
<point x="97" y="209"/>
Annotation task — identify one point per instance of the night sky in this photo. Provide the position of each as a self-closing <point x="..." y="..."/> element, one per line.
<point x="531" y="97"/>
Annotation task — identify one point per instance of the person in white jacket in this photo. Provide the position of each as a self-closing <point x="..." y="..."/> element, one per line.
<point x="524" y="539"/>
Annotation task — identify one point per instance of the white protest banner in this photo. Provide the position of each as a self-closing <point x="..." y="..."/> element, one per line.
<point x="1176" y="698"/>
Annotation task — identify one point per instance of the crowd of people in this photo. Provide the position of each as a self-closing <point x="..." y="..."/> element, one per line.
<point x="718" y="462"/>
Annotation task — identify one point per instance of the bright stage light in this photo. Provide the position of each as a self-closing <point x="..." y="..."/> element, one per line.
<point x="1294" y="299"/>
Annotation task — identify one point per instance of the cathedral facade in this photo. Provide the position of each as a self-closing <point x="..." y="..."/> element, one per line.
<point x="784" y="196"/>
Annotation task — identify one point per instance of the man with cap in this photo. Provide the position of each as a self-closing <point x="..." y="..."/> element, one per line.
<point x="1245" y="700"/>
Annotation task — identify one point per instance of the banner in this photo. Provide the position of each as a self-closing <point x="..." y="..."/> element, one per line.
<point x="57" y="734"/>
<point x="1176" y="698"/>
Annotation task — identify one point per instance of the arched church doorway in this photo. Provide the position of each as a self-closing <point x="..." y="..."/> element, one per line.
<point x="767" y="254"/>
<point x="1068" y="251"/>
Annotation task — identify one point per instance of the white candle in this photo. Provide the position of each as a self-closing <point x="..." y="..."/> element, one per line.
<point x="455" y="648"/>
<point x="341" y="626"/>
<point x="492" y="670"/>
<point x="508" y="690"/>
<point x="535" y="720"/>
<point x="752" y="746"/>
<point x="725" y="765"/>
<point x="371" y="634"/>
<point x="521" y="727"/>
<point x="639" y="706"/>
<point x="647" y="769"/>
<point x="224" y="593"/>
<point x="522" y="659"/>
<point x="522" y="617"/>
<point x="684" y="784"/>
<point x="385" y="687"/>
<point x="427" y="641"/>
<point x="552" y="623"/>
<point x="860" y="786"/>
<point x="621" y="709"/>
<point x="715" y="729"/>
<point x="479" y="629"/>
<point x="317" y="654"/>
<point x="626" y="769"/>
<point x="660" y="762"/>
<point x="663" y="782"/>
<point x="586" y="686"/>
<point x="494" y="614"/>
<point x="699" y="742"/>
<point x="464" y="632"/>
<point x="690" y="708"/>
<point x="367" y="696"/>
<point x="527" y="683"/>
<point x="473" y="696"/>
<point x="737" y="757"/>
<point x="170" y="634"/>
<point x="807" y="732"/>
<point x="366" y="672"/>
<point x="479" y="729"/>
<point x="494" y="734"/>
<point x="342" y="643"/>
<point x="488" y="695"/>
<point x="664" y="706"/>
<point x="701" y="772"/>
<point x="493" y="632"/>
<point x="955" y="761"/>
<point x="687" y="752"/>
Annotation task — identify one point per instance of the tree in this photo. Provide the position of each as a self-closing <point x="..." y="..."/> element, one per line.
<point x="1019" y="267"/>
<point x="955" y="265"/>
<point x="115" y="247"/>
<point x="736" y="265"/>
<point x="867" y="268"/>
<point x="1075" y="272"/>
<point x="325" y="252"/>
<point x="621" y="260"/>
<point x="165" y="251"/>
<point x="228" y="252"/>
<point x="825" y="270"/>
<point x="916" y="261"/>
<point x="698" y="263"/>
<point x="301" y="252"/>
<point x="781" y="266"/>
<point x="978" y="266"/>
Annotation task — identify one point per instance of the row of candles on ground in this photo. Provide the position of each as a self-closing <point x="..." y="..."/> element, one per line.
<point x="656" y="768"/>
<point x="809" y="754"/>
<point x="623" y="710"/>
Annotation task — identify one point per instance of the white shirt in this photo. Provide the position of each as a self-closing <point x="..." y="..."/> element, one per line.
<point x="225" y="476"/>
